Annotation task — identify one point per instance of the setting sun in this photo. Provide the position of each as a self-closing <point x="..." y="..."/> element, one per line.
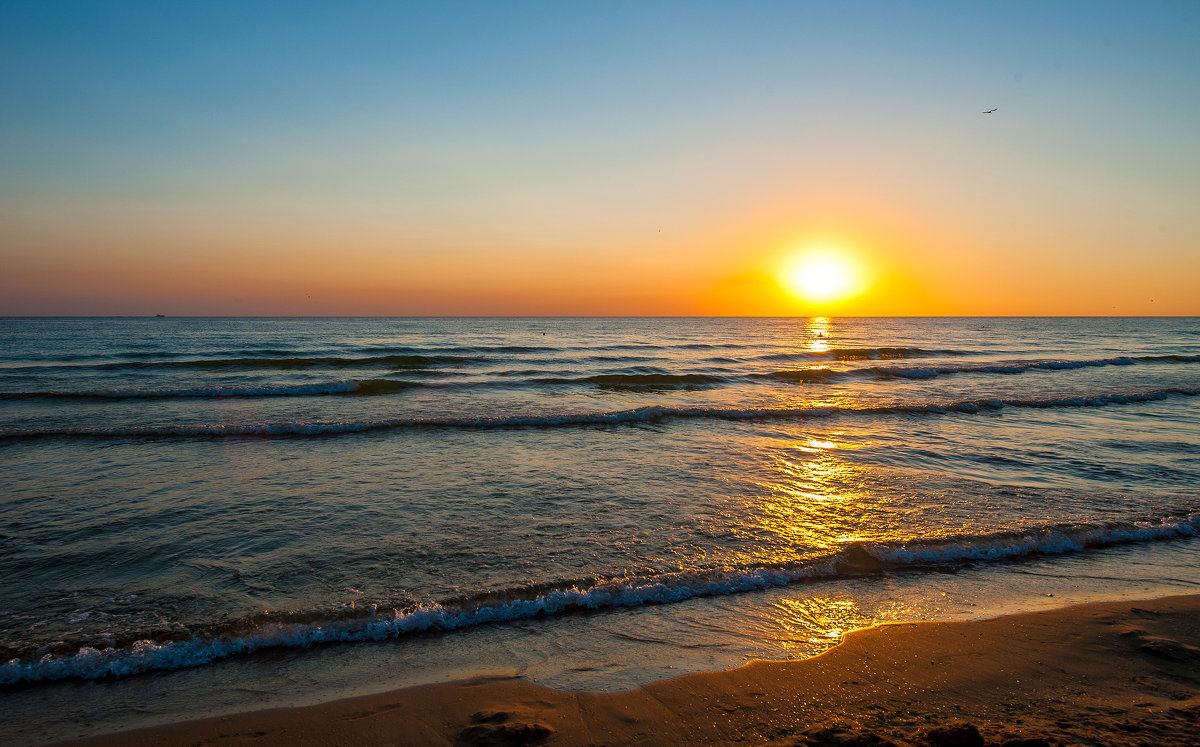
<point x="821" y="277"/>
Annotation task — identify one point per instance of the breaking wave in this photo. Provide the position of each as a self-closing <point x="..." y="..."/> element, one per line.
<point x="376" y="622"/>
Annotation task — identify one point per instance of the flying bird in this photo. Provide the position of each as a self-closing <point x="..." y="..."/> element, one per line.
<point x="989" y="111"/>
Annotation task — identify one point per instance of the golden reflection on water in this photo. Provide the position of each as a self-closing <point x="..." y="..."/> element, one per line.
<point x="819" y="621"/>
<point x="818" y="336"/>
<point x="818" y="331"/>
<point x="806" y="398"/>
<point x="813" y="497"/>
<point x="814" y="446"/>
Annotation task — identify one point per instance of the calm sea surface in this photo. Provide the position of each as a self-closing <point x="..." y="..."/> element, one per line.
<point x="308" y="507"/>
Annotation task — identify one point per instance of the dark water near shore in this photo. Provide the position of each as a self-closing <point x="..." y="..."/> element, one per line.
<point x="590" y="502"/>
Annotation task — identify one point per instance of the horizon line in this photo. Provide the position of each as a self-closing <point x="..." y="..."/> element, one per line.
<point x="597" y="316"/>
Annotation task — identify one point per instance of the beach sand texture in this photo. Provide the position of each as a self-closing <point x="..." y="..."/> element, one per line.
<point x="1111" y="673"/>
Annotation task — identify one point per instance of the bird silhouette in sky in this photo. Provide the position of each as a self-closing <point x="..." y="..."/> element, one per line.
<point x="989" y="111"/>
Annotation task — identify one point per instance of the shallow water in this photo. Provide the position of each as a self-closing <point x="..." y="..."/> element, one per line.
<point x="592" y="503"/>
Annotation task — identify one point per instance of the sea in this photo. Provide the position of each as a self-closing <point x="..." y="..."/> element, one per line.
<point x="207" y="515"/>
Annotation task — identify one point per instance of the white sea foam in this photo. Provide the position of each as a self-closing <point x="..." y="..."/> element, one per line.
<point x="853" y="559"/>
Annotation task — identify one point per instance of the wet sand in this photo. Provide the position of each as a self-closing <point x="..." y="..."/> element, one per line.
<point x="1111" y="673"/>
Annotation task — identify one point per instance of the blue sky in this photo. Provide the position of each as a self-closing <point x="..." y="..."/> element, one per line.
<point x="161" y="137"/>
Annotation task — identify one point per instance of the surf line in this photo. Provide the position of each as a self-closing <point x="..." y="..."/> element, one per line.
<point x="650" y="414"/>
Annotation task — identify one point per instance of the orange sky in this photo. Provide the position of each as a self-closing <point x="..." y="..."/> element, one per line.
<point x="511" y="167"/>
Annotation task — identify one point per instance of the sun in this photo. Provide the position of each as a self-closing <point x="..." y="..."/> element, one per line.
<point x="821" y="276"/>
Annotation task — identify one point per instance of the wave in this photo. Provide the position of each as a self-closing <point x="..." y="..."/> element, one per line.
<point x="634" y="378"/>
<point x="651" y="414"/>
<point x="637" y="381"/>
<point x="807" y="375"/>
<point x="856" y="354"/>
<point x="504" y="349"/>
<point x="400" y="356"/>
<point x="324" y="361"/>
<point x="285" y="363"/>
<point x="302" y="630"/>
<point x="350" y="386"/>
<point x="883" y="373"/>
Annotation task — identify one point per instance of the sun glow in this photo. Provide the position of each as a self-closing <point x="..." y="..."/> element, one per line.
<point x="821" y="277"/>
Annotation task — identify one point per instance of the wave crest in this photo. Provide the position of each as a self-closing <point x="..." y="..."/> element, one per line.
<point x="350" y="386"/>
<point x="651" y="414"/>
<point x="638" y="382"/>
<point x="859" y="558"/>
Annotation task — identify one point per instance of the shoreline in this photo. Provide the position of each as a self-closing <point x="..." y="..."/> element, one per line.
<point x="1113" y="672"/>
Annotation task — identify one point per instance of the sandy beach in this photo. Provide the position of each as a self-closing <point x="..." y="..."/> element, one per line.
<point x="1106" y="673"/>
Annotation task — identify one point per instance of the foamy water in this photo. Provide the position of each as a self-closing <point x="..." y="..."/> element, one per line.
<point x="595" y="503"/>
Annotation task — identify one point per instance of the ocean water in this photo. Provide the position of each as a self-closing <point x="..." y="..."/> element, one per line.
<point x="205" y="515"/>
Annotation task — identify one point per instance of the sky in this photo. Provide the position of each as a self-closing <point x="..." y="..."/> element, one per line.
<point x="598" y="158"/>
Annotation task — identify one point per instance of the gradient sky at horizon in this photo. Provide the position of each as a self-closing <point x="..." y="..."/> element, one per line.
<point x="529" y="158"/>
